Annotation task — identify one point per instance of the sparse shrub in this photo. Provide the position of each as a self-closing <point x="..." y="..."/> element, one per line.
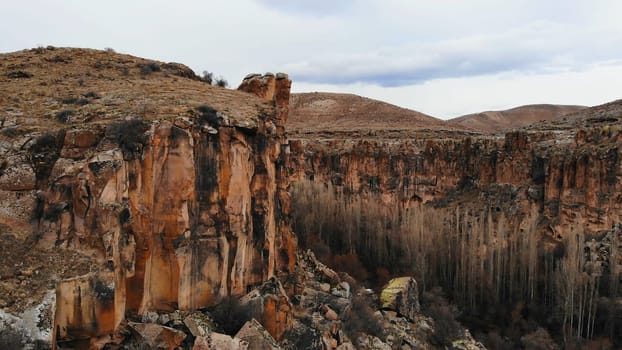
<point x="39" y="49"/>
<point x="221" y="82"/>
<point x="207" y="77"/>
<point x="230" y="315"/>
<point x="10" y="339"/>
<point x="92" y="94"/>
<point x="12" y="131"/>
<point x="540" y="339"/>
<point x="320" y="249"/>
<point x="361" y="319"/>
<point x="58" y="59"/>
<point x="125" y="71"/>
<point x="3" y="167"/>
<point x="129" y="135"/>
<point x="209" y="115"/>
<point x="79" y="101"/>
<point x="63" y="116"/>
<point x="350" y="264"/>
<point x="19" y="75"/>
<point x="43" y="154"/>
<point x="494" y="341"/>
<point x="148" y="68"/>
<point x="109" y="49"/>
<point x="446" y="328"/>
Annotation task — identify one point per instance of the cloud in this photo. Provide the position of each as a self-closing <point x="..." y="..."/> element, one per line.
<point x="540" y="47"/>
<point x="394" y="50"/>
<point x="452" y="97"/>
<point x="309" y="7"/>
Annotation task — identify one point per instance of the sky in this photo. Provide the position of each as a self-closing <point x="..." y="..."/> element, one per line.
<point x="444" y="58"/>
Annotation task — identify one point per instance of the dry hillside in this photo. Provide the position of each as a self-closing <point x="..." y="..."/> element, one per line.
<point x="498" y="121"/>
<point x="43" y="87"/>
<point x="320" y="111"/>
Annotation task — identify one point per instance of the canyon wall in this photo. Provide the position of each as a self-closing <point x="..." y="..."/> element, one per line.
<point x="179" y="213"/>
<point x="572" y="178"/>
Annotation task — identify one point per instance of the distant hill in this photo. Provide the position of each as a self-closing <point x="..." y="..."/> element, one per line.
<point x="320" y="111"/>
<point x="495" y="121"/>
<point x="609" y="113"/>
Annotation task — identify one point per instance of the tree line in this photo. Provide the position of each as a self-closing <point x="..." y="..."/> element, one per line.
<point x="490" y="265"/>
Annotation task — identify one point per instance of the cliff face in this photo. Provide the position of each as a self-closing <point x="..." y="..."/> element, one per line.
<point x="179" y="211"/>
<point x="572" y="177"/>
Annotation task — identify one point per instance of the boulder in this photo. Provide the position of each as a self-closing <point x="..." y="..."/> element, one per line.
<point x="199" y="324"/>
<point x="329" y="313"/>
<point x="257" y="337"/>
<point x="156" y="336"/>
<point x="401" y="295"/>
<point x="270" y="304"/>
<point x="217" y="341"/>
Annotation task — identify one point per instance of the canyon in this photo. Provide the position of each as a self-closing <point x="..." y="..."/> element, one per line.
<point x="527" y="192"/>
<point x="146" y="200"/>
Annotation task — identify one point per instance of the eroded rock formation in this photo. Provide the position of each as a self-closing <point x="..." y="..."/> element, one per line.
<point x="190" y="212"/>
<point x="573" y="178"/>
<point x="181" y="202"/>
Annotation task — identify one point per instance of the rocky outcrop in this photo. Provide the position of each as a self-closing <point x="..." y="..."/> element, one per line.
<point x="157" y="337"/>
<point x="180" y="206"/>
<point x="185" y="213"/>
<point x="401" y="295"/>
<point x="257" y="337"/>
<point x="270" y="304"/>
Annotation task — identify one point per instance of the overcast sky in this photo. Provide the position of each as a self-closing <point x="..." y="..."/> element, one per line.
<point x="442" y="57"/>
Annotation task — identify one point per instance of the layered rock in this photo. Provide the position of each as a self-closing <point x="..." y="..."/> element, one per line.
<point x="573" y="178"/>
<point x="182" y="202"/>
<point x="191" y="212"/>
<point x="401" y="295"/>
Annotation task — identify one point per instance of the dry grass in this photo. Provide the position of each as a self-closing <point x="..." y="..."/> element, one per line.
<point x="318" y="112"/>
<point x="36" y="85"/>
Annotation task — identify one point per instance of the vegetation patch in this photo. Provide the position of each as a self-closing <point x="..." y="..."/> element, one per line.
<point x="361" y="319"/>
<point x="209" y="115"/>
<point x="78" y="101"/>
<point x="12" y="131"/>
<point x="208" y="77"/>
<point x="19" y="75"/>
<point x="92" y="94"/>
<point x="130" y="136"/>
<point x="43" y="155"/>
<point x="148" y="68"/>
<point x="231" y="315"/>
<point x="63" y="116"/>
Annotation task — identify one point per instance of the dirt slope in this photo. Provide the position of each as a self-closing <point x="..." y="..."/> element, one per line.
<point x="46" y="87"/>
<point x="496" y="121"/>
<point x="320" y="111"/>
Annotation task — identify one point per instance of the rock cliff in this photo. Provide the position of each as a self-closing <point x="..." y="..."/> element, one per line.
<point x="571" y="175"/>
<point x="175" y="188"/>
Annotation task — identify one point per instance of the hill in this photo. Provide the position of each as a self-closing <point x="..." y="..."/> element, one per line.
<point x="497" y="121"/>
<point x="321" y="111"/>
<point x="48" y="87"/>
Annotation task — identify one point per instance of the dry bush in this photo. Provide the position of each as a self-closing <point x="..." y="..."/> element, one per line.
<point x="485" y="259"/>
<point x="362" y="320"/>
<point x="230" y="315"/>
<point x="10" y="339"/>
<point x="494" y="341"/>
<point x="129" y="135"/>
<point x="436" y="306"/>
<point x="350" y="264"/>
